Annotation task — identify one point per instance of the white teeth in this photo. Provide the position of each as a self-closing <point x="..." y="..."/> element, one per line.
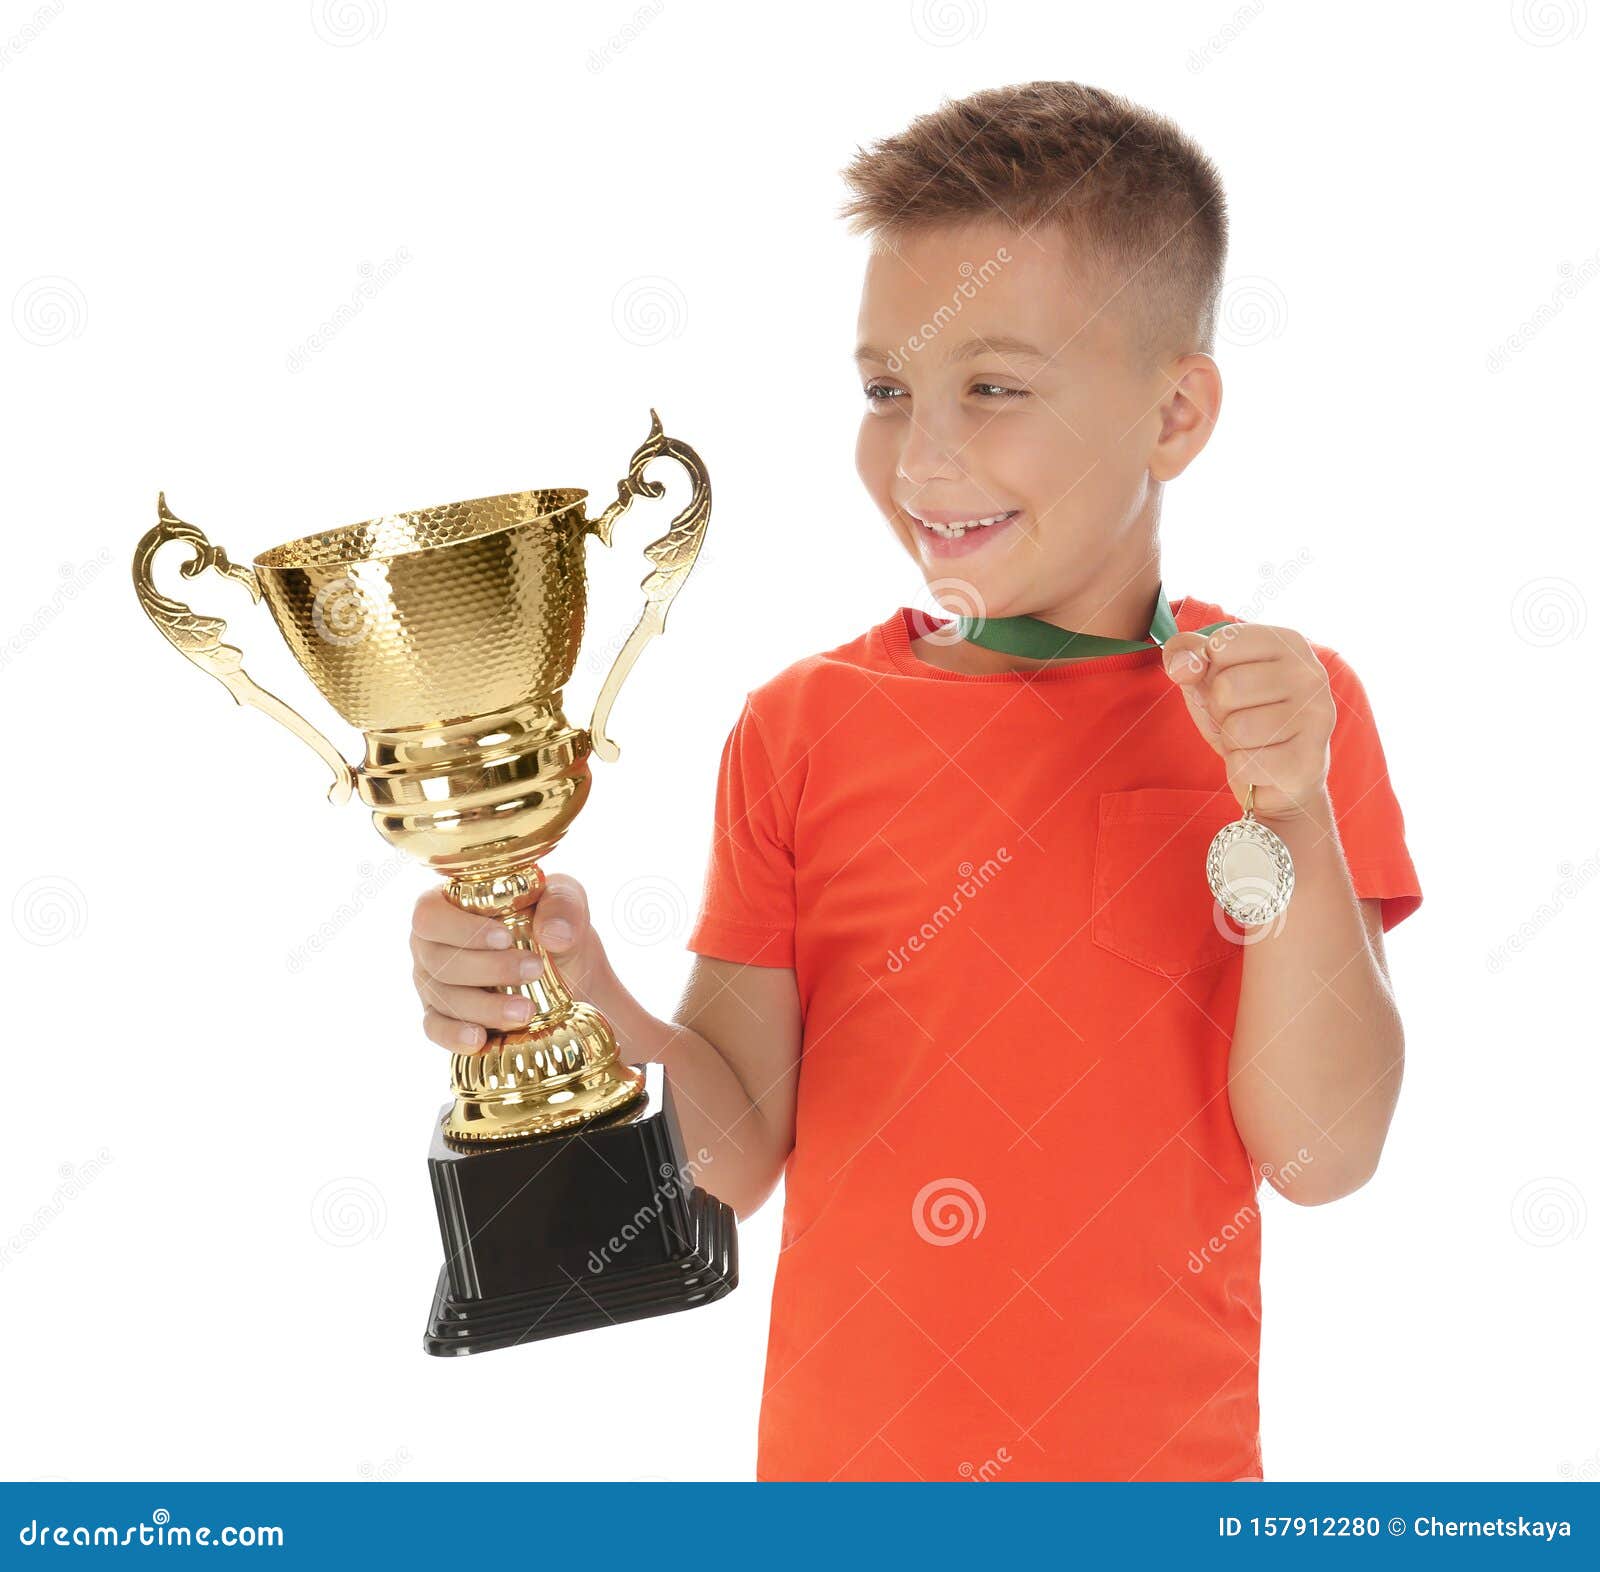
<point x="956" y="531"/>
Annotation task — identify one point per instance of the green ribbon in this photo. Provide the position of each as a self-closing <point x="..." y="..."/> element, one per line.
<point x="1036" y="639"/>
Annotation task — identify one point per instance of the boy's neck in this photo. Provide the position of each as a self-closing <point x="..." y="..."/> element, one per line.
<point x="1124" y="612"/>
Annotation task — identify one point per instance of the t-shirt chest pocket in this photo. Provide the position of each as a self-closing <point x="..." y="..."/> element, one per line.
<point x="1151" y="903"/>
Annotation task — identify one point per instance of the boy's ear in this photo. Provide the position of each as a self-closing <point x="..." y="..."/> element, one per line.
<point x="1189" y="412"/>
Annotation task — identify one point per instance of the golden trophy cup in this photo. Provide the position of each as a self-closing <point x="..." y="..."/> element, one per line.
<point x="447" y="636"/>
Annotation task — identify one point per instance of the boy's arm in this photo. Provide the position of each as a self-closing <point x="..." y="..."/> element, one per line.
<point x="732" y="1056"/>
<point x="1318" y="1047"/>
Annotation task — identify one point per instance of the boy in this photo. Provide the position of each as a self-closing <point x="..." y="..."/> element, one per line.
<point x="959" y="975"/>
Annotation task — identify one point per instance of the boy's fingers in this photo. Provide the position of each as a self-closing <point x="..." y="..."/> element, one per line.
<point x="450" y="1033"/>
<point x="435" y="919"/>
<point x="482" y="1006"/>
<point x="1186" y="657"/>
<point x="448" y="963"/>
<point x="562" y="916"/>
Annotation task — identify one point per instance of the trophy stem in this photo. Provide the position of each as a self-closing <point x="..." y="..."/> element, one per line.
<point x="562" y="1068"/>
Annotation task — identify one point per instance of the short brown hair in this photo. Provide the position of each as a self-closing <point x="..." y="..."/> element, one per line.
<point x="1140" y="205"/>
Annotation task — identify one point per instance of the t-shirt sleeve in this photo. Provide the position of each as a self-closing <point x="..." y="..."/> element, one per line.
<point x="1371" y="826"/>
<point x="747" y="907"/>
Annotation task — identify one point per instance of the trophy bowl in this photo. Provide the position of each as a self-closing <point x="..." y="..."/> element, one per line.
<point x="447" y="636"/>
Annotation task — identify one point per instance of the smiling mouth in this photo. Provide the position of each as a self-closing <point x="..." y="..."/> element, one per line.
<point x="955" y="528"/>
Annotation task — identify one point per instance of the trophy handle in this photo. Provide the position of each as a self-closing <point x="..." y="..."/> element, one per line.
<point x="199" y="638"/>
<point x="673" y="555"/>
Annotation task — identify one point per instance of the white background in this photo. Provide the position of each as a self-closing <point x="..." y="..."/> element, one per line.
<point x="221" y="1240"/>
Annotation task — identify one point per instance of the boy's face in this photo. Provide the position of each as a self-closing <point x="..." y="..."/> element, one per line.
<point x="996" y="390"/>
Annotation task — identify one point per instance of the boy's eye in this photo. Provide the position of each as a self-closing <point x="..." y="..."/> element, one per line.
<point x="882" y="393"/>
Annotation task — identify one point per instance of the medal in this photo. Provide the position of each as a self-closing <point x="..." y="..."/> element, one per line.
<point x="1248" y="867"/>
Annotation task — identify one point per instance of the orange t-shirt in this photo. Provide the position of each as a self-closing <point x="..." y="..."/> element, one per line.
<point x="1020" y="1231"/>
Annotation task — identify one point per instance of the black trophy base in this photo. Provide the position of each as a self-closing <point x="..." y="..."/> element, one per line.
<point x="705" y="1273"/>
<point x="576" y="1230"/>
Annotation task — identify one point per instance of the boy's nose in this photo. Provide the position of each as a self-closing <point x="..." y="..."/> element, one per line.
<point x="927" y="455"/>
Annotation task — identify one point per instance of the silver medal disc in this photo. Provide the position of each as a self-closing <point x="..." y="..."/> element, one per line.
<point x="1250" y="871"/>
